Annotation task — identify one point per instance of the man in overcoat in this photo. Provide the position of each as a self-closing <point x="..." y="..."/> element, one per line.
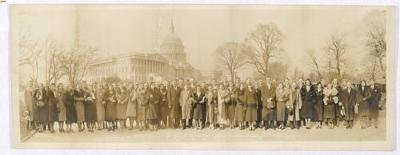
<point x="268" y="104"/>
<point x="173" y="95"/>
<point x="348" y="100"/>
<point x="374" y="103"/>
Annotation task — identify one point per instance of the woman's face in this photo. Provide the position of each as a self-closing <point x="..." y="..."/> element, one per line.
<point x="308" y="82"/>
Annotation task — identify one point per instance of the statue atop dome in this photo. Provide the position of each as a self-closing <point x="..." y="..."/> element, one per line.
<point x="172" y="46"/>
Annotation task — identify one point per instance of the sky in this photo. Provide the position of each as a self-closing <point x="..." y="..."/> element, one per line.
<point x="117" y="29"/>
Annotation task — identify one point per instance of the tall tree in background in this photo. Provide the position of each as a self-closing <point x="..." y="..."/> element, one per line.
<point x="336" y="49"/>
<point x="53" y="68"/>
<point x="314" y="63"/>
<point x="75" y="63"/>
<point x="265" y="41"/>
<point x="232" y="56"/>
<point x="30" y="51"/>
<point x="376" y="42"/>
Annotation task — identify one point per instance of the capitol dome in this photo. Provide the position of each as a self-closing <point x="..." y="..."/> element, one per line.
<point x="172" y="39"/>
<point x="172" y="46"/>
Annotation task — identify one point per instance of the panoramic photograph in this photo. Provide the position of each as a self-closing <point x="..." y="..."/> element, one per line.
<point x="202" y="76"/>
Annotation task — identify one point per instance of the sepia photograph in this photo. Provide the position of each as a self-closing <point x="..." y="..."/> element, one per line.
<point x="232" y="77"/>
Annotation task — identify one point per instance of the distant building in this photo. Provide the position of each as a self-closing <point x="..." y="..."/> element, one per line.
<point x="169" y="64"/>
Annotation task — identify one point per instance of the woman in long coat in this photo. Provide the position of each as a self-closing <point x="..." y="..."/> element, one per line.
<point x="198" y="105"/>
<point x="61" y="109"/>
<point x="330" y="100"/>
<point x="251" y="106"/>
<point x="163" y="106"/>
<point x="308" y="100"/>
<point x="364" y="95"/>
<point x="230" y="106"/>
<point x="173" y="96"/>
<point x="153" y="111"/>
<point x="52" y="107"/>
<point x="186" y="105"/>
<point x="131" y="110"/>
<point x="240" y="109"/>
<point x="41" y="114"/>
<point x="122" y="104"/>
<point x="79" y="107"/>
<point x="90" y="108"/>
<point x="211" y="97"/>
<point x="282" y="98"/>
<point x="294" y="106"/>
<point x="223" y="97"/>
<point x="100" y="106"/>
<point x="143" y="102"/>
<point x="319" y="105"/>
<point x="70" y="110"/>
<point x="110" y="98"/>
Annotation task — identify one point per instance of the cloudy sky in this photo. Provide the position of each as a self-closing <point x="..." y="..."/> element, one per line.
<point x="121" y="29"/>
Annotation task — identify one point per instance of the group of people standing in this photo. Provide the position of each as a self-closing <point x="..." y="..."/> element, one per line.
<point x="189" y="104"/>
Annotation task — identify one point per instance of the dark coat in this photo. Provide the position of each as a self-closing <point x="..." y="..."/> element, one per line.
<point x="268" y="102"/>
<point x="154" y="101"/>
<point x="319" y="105"/>
<point x="163" y="106"/>
<point x="90" y="107"/>
<point x="198" y="105"/>
<point x="69" y="102"/>
<point x="308" y="100"/>
<point x="374" y="101"/>
<point x="251" y="105"/>
<point x="111" y="99"/>
<point x="363" y="101"/>
<point x="348" y="101"/>
<point x="52" y="106"/>
<point x="41" y="100"/>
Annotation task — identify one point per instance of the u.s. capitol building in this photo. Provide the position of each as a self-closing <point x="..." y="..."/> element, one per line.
<point x="170" y="63"/>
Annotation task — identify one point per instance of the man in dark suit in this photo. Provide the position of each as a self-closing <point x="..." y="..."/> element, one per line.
<point x="374" y="103"/>
<point x="173" y="95"/>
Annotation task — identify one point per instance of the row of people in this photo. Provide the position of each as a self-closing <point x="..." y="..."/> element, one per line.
<point x="182" y="104"/>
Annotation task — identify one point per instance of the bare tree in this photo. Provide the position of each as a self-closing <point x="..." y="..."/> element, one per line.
<point x="314" y="63"/>
<point x="75" y="62"/>
<point x="232" y="56"/>
<point x="336" y="49"/>
<point x="265" y="41"/>
<point x="53" y="68"/>
<point x="30" y="52"/>
<point x="376" y="42"/>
